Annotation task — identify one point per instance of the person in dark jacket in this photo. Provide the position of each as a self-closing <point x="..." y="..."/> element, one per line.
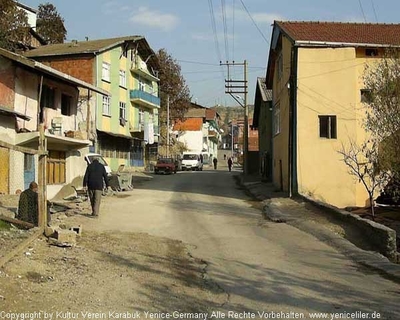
<point x="215" y="161"/>
<point x="94" y="180"/>
<point x="230" y="163"/>
<point x="28" y="204"/>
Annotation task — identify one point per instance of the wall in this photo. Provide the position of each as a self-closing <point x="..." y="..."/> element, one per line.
<point x="193" y="140"/>
<point x="81" y="67"/>
<point x="281" y="140"/>
<point x="7" y="83"/>
<point x="328" y="84"/>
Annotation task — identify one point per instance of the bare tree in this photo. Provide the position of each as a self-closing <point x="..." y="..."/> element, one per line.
<point x="363" y="162"/>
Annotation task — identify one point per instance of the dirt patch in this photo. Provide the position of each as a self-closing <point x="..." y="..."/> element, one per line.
<point x="107" y="272"/>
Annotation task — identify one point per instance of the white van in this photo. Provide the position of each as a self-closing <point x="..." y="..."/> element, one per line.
<point x="89" y="158"/>
<point x="191" y="161"/>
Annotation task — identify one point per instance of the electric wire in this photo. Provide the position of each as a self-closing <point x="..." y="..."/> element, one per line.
<point x="233" y="29"/>
<point x="224" y="24"/>
<point x="214" y="29"/>
<point x="373" y="8"/>
<point x="362" y="10"/>
<point x="255" y="24"/>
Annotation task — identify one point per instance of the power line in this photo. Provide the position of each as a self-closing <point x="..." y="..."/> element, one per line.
<point x="373" y="8"/>
<point x="233" y="29"/>
<point x="214" y="29"/>
<point x="212" y="64"/>
<point x="362" y="10"/>
<point x="259" y="30"/>
<point x="225" y="29"/>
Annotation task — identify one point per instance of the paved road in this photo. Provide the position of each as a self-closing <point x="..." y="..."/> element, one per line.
<point x="261" y="266"/>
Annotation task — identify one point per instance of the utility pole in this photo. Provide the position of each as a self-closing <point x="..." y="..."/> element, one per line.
<point x="232" y="139"/>
<point x="167" y="126"/>
<point x="234" y="87"/>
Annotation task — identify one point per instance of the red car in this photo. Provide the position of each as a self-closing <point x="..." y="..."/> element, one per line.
<point x="165" y="165"/>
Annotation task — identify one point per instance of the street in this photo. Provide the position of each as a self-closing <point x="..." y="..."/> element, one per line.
<point x="193" y="242"/>
<point x="258" y="264"/>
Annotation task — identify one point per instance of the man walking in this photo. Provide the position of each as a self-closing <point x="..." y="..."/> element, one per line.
<point x="215" y="161"/>
<point x="94" y="180"/>
<point x="230" y="162"/>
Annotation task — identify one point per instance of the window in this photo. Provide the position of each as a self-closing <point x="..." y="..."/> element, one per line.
<point x="277" y="119"/>
<point x="142" y="85"/>
<point x="47" y="98"/>
<point x="280" y="66"/>
<point x="366" y="95"/>
<point x="56" y="167"/>
<point x="122" y="110"/>
<point x="370" y="52"/>
<point x="66" y="105"/>
<point x="141" y="117"/>
<point x="105" y="74"/>
<point x="327" y="127"/>
<point x="106" y="105"/>
<point x="122" y="78"/>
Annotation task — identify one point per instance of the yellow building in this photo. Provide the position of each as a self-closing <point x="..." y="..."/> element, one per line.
<point x="315" y="71"/>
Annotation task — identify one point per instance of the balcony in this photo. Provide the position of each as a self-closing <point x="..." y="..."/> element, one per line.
<point x="144" y="99"/>
<point x="140" y="69"/>
<point x="136" y="127"/>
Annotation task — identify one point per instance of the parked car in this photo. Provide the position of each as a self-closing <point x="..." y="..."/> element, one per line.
<point x="191" y="161"/>
<point x="165" y="165"/>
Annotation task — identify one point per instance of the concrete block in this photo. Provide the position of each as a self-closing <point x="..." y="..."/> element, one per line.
<point x="66" y="236"/>
<point x="49" y="231"/>
<point x="77" y="230"/>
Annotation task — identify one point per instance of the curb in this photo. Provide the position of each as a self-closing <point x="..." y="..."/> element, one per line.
<point x="370" y="259"/>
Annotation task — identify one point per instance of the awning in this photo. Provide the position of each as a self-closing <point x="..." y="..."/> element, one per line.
<point x="54" y="142"/>
<point x="117" y="135"/>
<point x="12" y="113"/>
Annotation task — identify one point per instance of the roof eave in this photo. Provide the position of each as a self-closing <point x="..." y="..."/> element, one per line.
<point x="310" y="43"/>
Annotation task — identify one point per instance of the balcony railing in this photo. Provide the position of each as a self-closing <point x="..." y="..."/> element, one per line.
<point x="140" y="69"/>
<point x="144" y="98"/>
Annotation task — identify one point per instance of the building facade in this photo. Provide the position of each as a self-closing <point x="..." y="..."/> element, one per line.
<point x="126" y="122"/>
<point x="315" y="72"/>
<point x="33" y="94"/>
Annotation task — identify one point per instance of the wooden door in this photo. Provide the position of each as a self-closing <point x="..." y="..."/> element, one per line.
<point x="4" y="170"/>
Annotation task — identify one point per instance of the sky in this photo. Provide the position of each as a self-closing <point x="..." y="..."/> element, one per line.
<point x="239" y="30"/>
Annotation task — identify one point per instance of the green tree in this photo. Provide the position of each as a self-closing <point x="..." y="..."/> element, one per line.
<point x="14" y="27"/>
<point x="50" y="25"/>
<point x="173" y="87"/>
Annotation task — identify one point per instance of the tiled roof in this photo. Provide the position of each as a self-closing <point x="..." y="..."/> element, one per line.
<point x="191" y="124"/>
<point x="339" y="32"/>
<point x="91" y="46"/>
<point x="210" y="114"/>
<point x="195" y="113"/>
<point x="265" y="93"/>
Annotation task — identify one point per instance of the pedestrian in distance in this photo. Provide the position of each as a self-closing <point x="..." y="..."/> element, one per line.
<point x="215" y="161"/>
<point x="94" y="180"/>
<point x="224" y="156"/>
<point x="230" y="162"/>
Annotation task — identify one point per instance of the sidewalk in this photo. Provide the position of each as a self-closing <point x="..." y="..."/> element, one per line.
<point x="316" y="220"/>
